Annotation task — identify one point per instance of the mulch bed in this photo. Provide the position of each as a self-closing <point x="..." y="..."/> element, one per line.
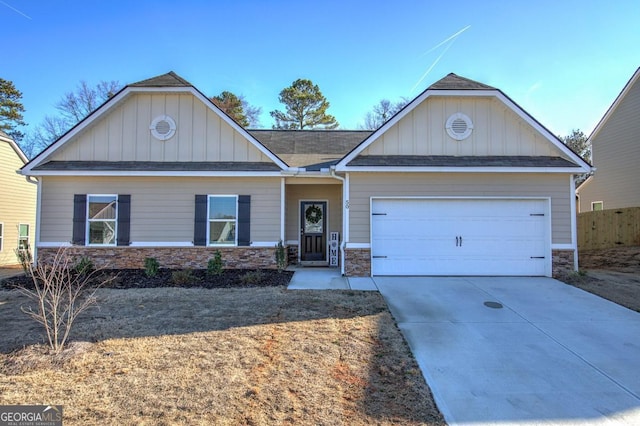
<point x="136" y="278"/>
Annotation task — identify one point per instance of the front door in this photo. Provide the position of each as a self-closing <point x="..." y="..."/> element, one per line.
<point x="313" y="223"/>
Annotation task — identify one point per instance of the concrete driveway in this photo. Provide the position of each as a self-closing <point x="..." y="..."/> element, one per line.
<point x="553" y="354"/>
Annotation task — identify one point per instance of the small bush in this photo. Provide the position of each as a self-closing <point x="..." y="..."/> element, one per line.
<point x="215" y="266"/>
<point x="151" y="267"/>
<point x="182" y="277"/>
<point x="281" y="256"/>
<point x="252" y="277"/>
<point x="25" y="258"/>
<point x="83" y="266"/>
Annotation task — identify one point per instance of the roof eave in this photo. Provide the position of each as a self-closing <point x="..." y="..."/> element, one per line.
<point x="459" y="169"/>
<point x="121" y="96"/>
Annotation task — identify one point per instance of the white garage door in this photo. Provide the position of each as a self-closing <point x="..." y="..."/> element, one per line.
<point x="460" y="237"/>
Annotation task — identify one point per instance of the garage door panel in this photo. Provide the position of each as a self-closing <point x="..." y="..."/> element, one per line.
<point x="460" y="237"/>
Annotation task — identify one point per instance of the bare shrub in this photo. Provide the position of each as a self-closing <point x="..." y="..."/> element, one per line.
<point x="252" y="277"/>
<point x="25" y="259"/>
<point x="182" y="277"/>
<point x="61" y="291"/>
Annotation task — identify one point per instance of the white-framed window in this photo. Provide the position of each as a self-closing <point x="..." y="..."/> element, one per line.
<point x="222" y="212"/>
<point x="102" y="219"/>
<point x="1" y="236"/>
<point x="597" y="206"/>
<point x="23" y="236"/>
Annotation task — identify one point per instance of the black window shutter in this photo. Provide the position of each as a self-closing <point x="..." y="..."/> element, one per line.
<point x="124" y="219"/>
<point x="79" y="219"/>
<point x="200" y="224"/>
<point x="244" y="220"/>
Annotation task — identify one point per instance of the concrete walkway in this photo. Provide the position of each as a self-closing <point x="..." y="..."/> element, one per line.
<point x="520" y="350"/>
<point x="318" y="278"/>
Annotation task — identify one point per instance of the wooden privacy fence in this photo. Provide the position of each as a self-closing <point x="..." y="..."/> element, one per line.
<point x="609" y="228"/>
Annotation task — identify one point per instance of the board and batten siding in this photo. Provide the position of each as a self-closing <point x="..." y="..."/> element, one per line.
<point x="616" y="152"/>
<point x="497" y="130"/>
<point x="363" y="186"/>
<point x="17" y="203"/>
<point x="309" y="192"/>
<point x="123" y="134"/>
<point x="162" y="208"/>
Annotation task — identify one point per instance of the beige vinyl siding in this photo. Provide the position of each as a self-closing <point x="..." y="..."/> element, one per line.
<point x="616" y="153"/>
<point x="310" y="192"/>
<point x="497" y="130"/>
<point x="363" y="186"/>
<point x="162" y="209"/>
<point x="123" y="134"/>
<point x="17" y="203"/>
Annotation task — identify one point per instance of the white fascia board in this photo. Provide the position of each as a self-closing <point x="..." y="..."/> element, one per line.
<point x="16" y="148"/>
<point x="406" y="110"/>
<point x="111" y="103"/>
<point x="403" y="169"/>
<point x="154" y="173"/>
<point x="48" y="151"/>
<point x="584" y="166"/>
<point x="273" y="157"/>
<point x="632" y="81"/>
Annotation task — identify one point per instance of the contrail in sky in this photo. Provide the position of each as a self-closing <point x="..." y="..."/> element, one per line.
<point x="15" y="10"/>
<point x="450" y="39"/>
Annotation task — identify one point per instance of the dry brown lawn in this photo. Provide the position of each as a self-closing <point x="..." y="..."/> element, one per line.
<point x="227" y="357"/>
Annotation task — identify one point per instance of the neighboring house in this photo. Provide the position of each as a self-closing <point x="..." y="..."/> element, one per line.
<point x="461" y="181"/>
<point x="615" y="148"/>
<point x="17" y="203"/>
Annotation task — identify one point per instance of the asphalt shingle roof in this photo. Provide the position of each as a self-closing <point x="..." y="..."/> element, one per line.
<point x="459" y="161"/>
<point x="164" y="166"/>
<point x="454" y="82"/>
<point x="170" y="79"/>
<point x="327" y="142"/>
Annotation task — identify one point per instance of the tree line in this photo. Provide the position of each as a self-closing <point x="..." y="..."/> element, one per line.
<point x="305" y="107"/>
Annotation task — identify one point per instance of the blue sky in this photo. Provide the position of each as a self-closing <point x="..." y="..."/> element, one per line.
<point x="562" y="61"/>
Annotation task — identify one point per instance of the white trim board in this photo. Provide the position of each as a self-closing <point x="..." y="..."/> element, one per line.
<point x="120" y="97"/>
<point x="583" y="167"/>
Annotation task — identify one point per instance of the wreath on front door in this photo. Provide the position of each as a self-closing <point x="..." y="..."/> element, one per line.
<point x="313" y="214"/>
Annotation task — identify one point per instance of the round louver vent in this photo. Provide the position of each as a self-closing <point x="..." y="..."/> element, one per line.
<point x="163" y="127"/>
<point x="459" y="126"/>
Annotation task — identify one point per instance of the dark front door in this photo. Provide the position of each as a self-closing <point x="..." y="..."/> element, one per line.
<point x="313" y="220"/>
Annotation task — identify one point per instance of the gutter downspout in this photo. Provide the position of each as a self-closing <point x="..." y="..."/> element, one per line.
<point x="36" y="240"/>
<point x="345" y="213"/>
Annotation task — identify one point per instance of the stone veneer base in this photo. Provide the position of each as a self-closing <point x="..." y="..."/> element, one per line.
<point x="358" y="262"/>
<point x="562" y="262"/>
<point x="170" y="257"/>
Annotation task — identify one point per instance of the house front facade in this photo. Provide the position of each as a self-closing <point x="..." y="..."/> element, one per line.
<point x="17" y="203"/>
<point x="462" y="181"/>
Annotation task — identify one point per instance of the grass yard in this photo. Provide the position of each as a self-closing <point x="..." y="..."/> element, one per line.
<point x="258" y="356"/>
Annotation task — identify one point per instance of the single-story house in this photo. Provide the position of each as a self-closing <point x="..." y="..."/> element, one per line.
<point x="461" y="181"/>
<point x="17" y="203"/>
<point x="615" y="150"/>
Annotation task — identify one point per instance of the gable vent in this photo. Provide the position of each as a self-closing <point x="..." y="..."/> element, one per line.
<point x="163" y="127"/>
<point x="459" y="126"/>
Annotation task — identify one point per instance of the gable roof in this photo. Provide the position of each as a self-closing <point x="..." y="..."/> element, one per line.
<point x="169" y="82"/>
<point x="455" y="82"/>
<point x="6" y="138"/>
<point x="627" y="87"/>
<point x="170" y="79"/>
<point x="454" y="85"/>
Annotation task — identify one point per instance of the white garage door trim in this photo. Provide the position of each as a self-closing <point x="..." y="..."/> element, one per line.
<point x="443" y="255"/>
